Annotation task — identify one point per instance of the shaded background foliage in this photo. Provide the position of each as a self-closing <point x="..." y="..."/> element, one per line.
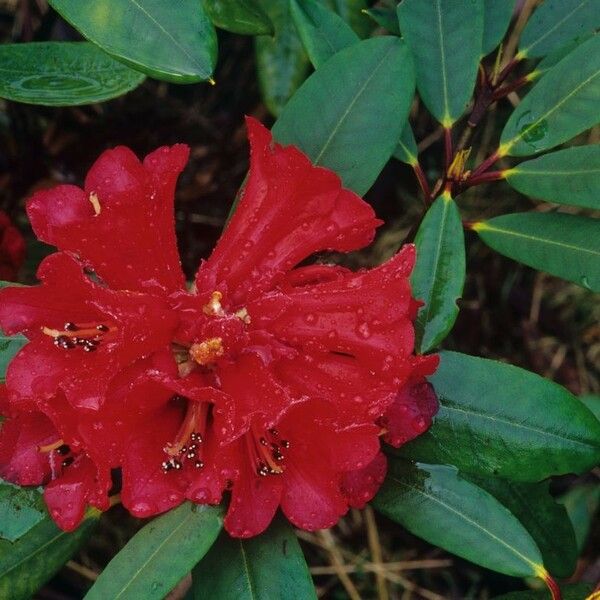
<point x="508" y="311"/>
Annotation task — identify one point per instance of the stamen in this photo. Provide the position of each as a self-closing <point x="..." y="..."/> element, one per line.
<point x="265" y="453"/>
<point x="53" y="446"/>
<point x="208" y="351"/>
<point x="213" y="307"/>
<point x="87" y="335"/>
<point x="93" y="198"/>
<point x="195" y="419"/>
<point x="243" y="315"/>
<point x="68" y="461"/>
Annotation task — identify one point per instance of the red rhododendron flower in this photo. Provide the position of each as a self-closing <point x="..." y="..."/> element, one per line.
<point x="267" y="380"/>
<point x="12" y="249"/>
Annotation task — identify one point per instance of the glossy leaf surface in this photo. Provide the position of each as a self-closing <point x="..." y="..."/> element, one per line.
<point x="525" y="429"/>
<point x="281" y="60"/>
<point x="570" y="176"/>
<point x="239" y="16"/>
<point x="322" y="31"/>
<point x="433" y="502"/>
<point x="407" y="150"/>
<point x="158" y="556"/>
<point x="563" y="103"/>
<point x="174" y="42"/>
<point x="21" y="508"/>
<point x="581" y="504"/>
<point x="27" y="564"/>
<point x="567" y="246"/>
<point x="385" y="16"/>
<point x="345" y="134"/>
<point x="445" y="39"/>
<point x="9" y="346"/>
<point x="546" y="521"/>
<point x="353" y="12"/>
<point x="62" y="74"/>
<point x="496" y="19"/>
<point x="556" y="22"/>
<point x="270" y="565"/>
<point x="439" y="274"/>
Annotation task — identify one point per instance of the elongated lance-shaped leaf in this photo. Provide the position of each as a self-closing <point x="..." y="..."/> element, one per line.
<point x="570" y="176"/>
<point x="345" y="134"/>
<point x="158" y="556"/>
<point x="353" y="12"/>
<point x="525" y="428"/>
<point x="581" y="503"/>
<point x="322" y="31"/>
<point x="546" y="521"/>
<point x="496" y="19"/>
<point x="563" y="103"/>
<point x="9" y="346"/>
<point x="27" y="564"/>
<point x="435" y="503"/>
<point x="174" y="42"/>
<point x="407" y="150"/>
<point x="385" y="17"/>
<point x="439" y="274"/>
<point x="557" y="55"/>
<point x="281" y="60"/>
<point x="62" y="74"/>
<point x="445" y="39"/>
<point x="21" y="509"/>
<point x="556" y="22"/>
<point x="567" y="246"/>
<point x="239" y="16"/>
<point x="270" y="565"/>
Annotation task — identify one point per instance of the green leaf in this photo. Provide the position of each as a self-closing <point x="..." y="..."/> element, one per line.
<point x="9" y="346"/>
<point x="62" y="74"/>
<point x="158" y="556"/>
<point x="581" y="504"/>
<point x="331" y="117"/>
<point x="546" y="521"/>
<point x="433" y="502"/>
<point x="570" y="176"/>
<point x="445" y="38"/>
<point x="562" y="104"/>
<point x="281" y="60"/>
<point x="571" y="591"/>
<point x="27" y="564"/>
<point x="174" y="42"/>
<point x="592" y="401"/>
<point x="497" y="419"/>
<point x="407" y="150"/>
<point x="270" y="565"/>
<point x="555" y="23"/>
<point x="353" y="12"/>
<point x="497" y="15"/>
<point x="323" y="32"/>
<point x="385" y="17"/>
<point x="239" y="16"/>
<point x="439" y="274"/>
<point x="567" y="246"/>
<point x="557" y="55"/>
<point x="20" y="509"/>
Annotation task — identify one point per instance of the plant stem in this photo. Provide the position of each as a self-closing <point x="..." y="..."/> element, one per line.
<point x="423" y="183"/>
<point x="447" y="148"/>
<point x="486" y="164"/>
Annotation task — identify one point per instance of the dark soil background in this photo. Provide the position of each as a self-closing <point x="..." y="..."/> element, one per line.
<point x="508" y="311"/>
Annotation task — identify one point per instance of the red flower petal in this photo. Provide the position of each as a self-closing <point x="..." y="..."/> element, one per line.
<point x="361" y="486"/>
<point x="411" y="413"/>
<point x="122" y="224"/>
<point x="21" y="436"/>
<point x="289" y="210"/>
<point x="364" y="315"/>
<point x="80" y="484"/>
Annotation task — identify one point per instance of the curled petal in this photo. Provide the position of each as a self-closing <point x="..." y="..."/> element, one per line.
<point x="411" y="413"/>
<point x="361" y="485"/>
<point x="289" y="209"/>
<point x="366" y="315"/>
<point x="21" y="438"/>
<point x="79" y="485"/>
<point x="122" y="223"/>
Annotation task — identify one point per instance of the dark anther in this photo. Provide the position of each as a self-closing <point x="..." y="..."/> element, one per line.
<point x="274" y="432"/>
<point x="68" y="461"/>
<point x="263" y="441"/>
<point x="285" y="443"/>
<point x="64" y="449"/>
<point x="183" y="450"/>
<point x="198" y="464"/>
<point x="277" y="455"/>
<point x="262" y="469"/>
<point x="89" y="348"/>
<point x="191" y="454"/>
<point x="70" y="327"/>
<point x="102" y="328"/>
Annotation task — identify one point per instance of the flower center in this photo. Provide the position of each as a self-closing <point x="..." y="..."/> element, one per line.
<point x="266" y="451"/>
<point x="86" y="335"/>
<point x="207" y="352"/>
<point x="187" y="446"/>
<point x="61" y="449"/>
